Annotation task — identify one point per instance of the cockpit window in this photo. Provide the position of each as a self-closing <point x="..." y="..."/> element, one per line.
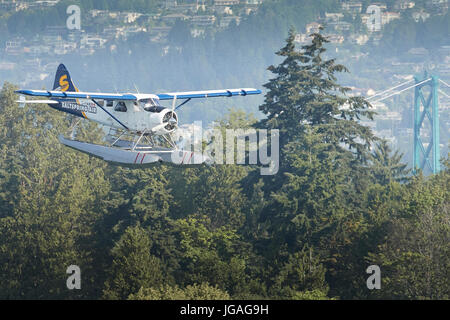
<point x="151" y="105"/>
<point x="120" y="106"/>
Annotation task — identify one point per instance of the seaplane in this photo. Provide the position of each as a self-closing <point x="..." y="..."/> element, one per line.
<point x="140" y="127"/>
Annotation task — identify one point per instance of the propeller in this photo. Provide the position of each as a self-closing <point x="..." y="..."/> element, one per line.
<point x="169" y="121"/>
<point x="173" y="122"/>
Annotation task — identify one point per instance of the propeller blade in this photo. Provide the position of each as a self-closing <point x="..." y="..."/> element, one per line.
<point x="174" y="103"/>
<point x="159" y="127"/>
<point x="172" y="119"/>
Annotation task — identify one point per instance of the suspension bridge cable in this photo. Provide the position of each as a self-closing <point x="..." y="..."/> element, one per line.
<point x="444" y="82"/>
<point x="398" y="92"/>
<point x="385" y="91"/>
<point x="442" y="92"/>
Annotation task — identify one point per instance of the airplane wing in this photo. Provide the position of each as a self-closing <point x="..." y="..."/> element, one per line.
<point x="208" y="94"/>
<point x="77" y="95"/>
<point x="127" y="96"/>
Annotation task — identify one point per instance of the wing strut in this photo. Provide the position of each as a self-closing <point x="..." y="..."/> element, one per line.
<point x="185" y="101"/>
<point x="110" y="114"/>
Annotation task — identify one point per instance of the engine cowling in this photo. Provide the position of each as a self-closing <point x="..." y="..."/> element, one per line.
<point x="166" y="121"/>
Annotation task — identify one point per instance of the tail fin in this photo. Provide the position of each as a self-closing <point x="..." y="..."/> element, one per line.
<point x="63" y="81"/>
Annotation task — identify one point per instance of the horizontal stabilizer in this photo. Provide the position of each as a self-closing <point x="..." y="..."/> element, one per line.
<point x="22" y="101"/>
<point x="38" y="101"/>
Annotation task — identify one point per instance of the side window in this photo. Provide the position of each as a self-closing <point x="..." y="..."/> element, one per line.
<point x="151" y="105"/>
<point x="101" y="102"/>
<point x="121" y="107"/>
<point x="109" y="103"/>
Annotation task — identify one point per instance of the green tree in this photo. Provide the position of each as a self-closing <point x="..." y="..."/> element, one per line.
<point x="300" y="274"/>
<point x="217" y="257"/>
<point x="132" y="266"/>
<point x="304" y="92"/>
<point x="387" y="167"/>
<point x="191" y="292"/>
<point x="414" y="255"/>
<point x="324" y="149"/>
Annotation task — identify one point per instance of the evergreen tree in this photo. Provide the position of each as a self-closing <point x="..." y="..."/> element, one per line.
<point x="304" y="92"/>
<point x="386" y="167"/>
<point x="133" y="267"/>
<point x="321" y="143"/>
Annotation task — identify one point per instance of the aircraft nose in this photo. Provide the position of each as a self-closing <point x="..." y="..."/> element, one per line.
<point x="171" y="119"/>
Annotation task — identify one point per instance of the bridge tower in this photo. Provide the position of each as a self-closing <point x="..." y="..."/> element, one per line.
<point x="426" y="108"/>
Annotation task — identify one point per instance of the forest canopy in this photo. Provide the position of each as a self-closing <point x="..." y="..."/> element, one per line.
<point x="341" y="201"/>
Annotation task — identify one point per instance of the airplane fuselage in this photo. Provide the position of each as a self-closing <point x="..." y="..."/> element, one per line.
<point x="144" y="115"/>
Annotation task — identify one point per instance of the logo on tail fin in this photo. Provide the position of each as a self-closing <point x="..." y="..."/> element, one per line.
<point x="63" y="81"/>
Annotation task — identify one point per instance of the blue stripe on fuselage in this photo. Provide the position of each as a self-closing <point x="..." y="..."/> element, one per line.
<point x="75" y="109"/>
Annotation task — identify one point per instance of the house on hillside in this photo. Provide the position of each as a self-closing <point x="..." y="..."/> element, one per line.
<point x="333" y="16"/>
<point x="313" y="27"/>
<point x="225" y="21"/>
<point x="129" y="17"/>
<point x="404" y="4"/>
<point x="226" y="2"/>
<point x="13" y="5"/>
<point x="204" y="21"/>
<point x="171" y="18"/>
<point x="340" y="26"/>
<point x="420" y="15"/>
<point x="387" y="17"/>
<point x="352" y="7"/>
